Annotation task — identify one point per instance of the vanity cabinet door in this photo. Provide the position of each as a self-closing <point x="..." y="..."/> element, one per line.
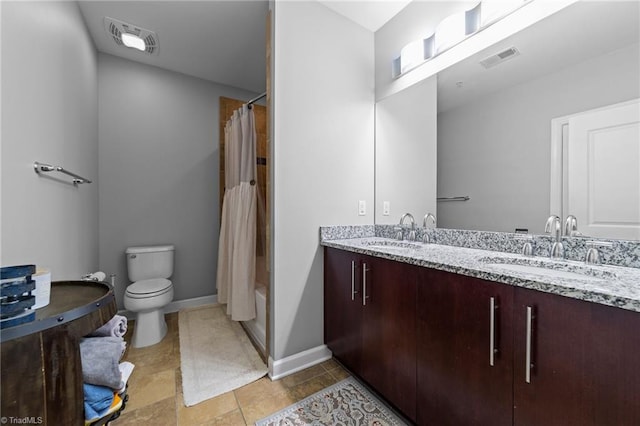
<point x="575" y="362"/>
<point x="343" y="307"/>
<point x="389" y="331"/>
<point x="465" y="350"/>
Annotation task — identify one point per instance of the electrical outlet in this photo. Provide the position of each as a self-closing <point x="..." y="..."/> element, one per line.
<point x="362" y="207"/>
<point x="386" y="208"/>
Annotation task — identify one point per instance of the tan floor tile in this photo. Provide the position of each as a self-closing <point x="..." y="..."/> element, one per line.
<point x="339" y="373"/>
<point x="162" y="413"/>
<point x="303" y="376"/>
<point x="265" y="406"/>
<point x="308" y="388"/>
<point x="147" y="389"/>
<point x="330" y="364"/>
<point x="160" y="356"/>
<point x="233" y="418"/>
<point x="207" y="411"/>
<point x="178" y="381"/>
<point x="259" y="390"/>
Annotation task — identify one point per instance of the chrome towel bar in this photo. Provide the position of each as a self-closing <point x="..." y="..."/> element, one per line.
<point x="463" y="198"/>
<point x="42" y="167"/>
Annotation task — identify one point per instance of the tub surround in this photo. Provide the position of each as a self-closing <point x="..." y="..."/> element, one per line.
<point x="475" y="253"/>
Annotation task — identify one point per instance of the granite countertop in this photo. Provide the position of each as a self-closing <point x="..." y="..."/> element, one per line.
<point x="608" y="285"/>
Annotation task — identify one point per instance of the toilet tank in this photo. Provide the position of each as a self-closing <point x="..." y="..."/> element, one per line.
<point x="147" y="262"/>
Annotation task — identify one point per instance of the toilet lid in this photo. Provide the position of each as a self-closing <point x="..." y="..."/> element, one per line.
<point x="154" y="285"/>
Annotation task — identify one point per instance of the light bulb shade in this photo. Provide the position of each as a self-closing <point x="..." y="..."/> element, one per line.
<point x="411" y="55"/>
<point x="492" y="10"/>
<point x="133" y="41"/>
<point x="450" y="31"/>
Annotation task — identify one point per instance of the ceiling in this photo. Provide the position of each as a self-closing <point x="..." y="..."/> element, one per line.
<point x="224" y="41"/>
<point x="575" y="34"/>
<point x="219" y="41"/>
<point x="370" y="14"/>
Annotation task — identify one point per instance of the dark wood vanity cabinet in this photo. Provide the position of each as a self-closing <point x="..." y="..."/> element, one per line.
<point x="425" y="337"/>
<point x="583" y="366"/>
<point x="389" y="331"/>
<point x="465" y="350"/>
<point x="370" y="322"/>
<point x="343" y="307"/>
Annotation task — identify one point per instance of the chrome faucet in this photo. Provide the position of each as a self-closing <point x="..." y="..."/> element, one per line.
<point x="571" y="226"/>
<point x="425" y="222"/>
<point x="527" y="246"/>
<point x="426" y="218"/>
<point x="593" y="255"/>
<point x="412" y="232"/>
<point x="553" y="225"/>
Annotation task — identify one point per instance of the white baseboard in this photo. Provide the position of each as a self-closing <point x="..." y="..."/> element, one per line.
<point x="178" y="305"/>
<point x="294" y="363"/>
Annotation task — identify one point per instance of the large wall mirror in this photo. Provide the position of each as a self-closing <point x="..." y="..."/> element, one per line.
<point x="495" y="110"/>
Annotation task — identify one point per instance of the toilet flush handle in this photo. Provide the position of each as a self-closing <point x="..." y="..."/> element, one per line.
<point x="133" y="256"/>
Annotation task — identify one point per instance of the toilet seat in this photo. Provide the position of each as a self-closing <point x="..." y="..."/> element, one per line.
<point x="148" y="288"/>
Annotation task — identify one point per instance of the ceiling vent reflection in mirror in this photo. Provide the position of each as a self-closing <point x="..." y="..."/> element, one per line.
<point x="500" y="57"/>
<point x="131" y="36"/>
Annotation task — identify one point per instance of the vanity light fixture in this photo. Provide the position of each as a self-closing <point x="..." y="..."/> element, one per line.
<point x="451" y="31"/>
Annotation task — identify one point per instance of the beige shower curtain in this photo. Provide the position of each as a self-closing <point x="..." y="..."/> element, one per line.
<point x="237" y="244"/>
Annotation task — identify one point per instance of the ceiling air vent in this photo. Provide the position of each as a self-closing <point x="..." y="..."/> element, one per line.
<point x="498" y="58"/>
<point x="116" y="28"/>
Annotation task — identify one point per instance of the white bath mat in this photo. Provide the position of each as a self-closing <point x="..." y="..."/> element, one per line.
<point x="216" y="355"/>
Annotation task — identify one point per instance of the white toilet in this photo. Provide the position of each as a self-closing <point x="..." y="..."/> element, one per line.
<point x="149" y="267"/>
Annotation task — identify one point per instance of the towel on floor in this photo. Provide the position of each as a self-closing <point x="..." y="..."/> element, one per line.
<point x="115" y="327"/>
<point x="100" y="358"/>
<point x="97" y="401"/>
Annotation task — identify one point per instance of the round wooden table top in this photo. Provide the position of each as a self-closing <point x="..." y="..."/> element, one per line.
<point x="69" y="301"/>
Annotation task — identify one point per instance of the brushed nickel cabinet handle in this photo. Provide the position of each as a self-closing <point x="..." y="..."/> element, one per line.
<point x="353" y="280"/>
<point x="527" y="373"/>
<point x="364" y="284"/>
<point x="492" y="331"/>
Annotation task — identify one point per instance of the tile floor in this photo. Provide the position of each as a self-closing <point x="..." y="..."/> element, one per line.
<point x="155" y="389"/>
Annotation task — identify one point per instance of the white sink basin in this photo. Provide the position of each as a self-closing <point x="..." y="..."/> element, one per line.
<point x="548" y="269"/>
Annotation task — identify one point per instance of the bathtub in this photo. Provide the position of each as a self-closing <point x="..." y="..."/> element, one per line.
<point x="258" y="326"/>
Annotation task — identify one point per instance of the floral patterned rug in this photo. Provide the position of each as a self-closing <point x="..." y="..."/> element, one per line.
<point x="347" y="403"/>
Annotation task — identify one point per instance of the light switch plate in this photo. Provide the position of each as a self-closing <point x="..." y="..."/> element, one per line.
<point x="386" y="208"/>
<point x="362" y="207"/>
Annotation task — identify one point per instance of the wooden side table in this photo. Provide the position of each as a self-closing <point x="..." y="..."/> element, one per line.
<point x="40" y="360"/>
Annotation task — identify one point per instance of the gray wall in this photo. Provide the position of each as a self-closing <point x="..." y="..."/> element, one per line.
<point x="497" y="150"/>
<point x="323" y="157"/>
<point x="49" y="114"/>
<point x="406" y="141"/>
<point x="159" y="166"/>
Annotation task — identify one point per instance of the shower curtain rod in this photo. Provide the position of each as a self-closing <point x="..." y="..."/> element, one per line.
<point x="257" y="98"/>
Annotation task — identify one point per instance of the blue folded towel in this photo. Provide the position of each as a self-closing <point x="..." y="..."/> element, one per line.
<point x="97" y="401"/>
<point x="100" y="358"/>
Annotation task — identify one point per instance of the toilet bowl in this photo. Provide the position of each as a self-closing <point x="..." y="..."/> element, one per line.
<point x="148" y="298"/>
<point x="149" y="267"/>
